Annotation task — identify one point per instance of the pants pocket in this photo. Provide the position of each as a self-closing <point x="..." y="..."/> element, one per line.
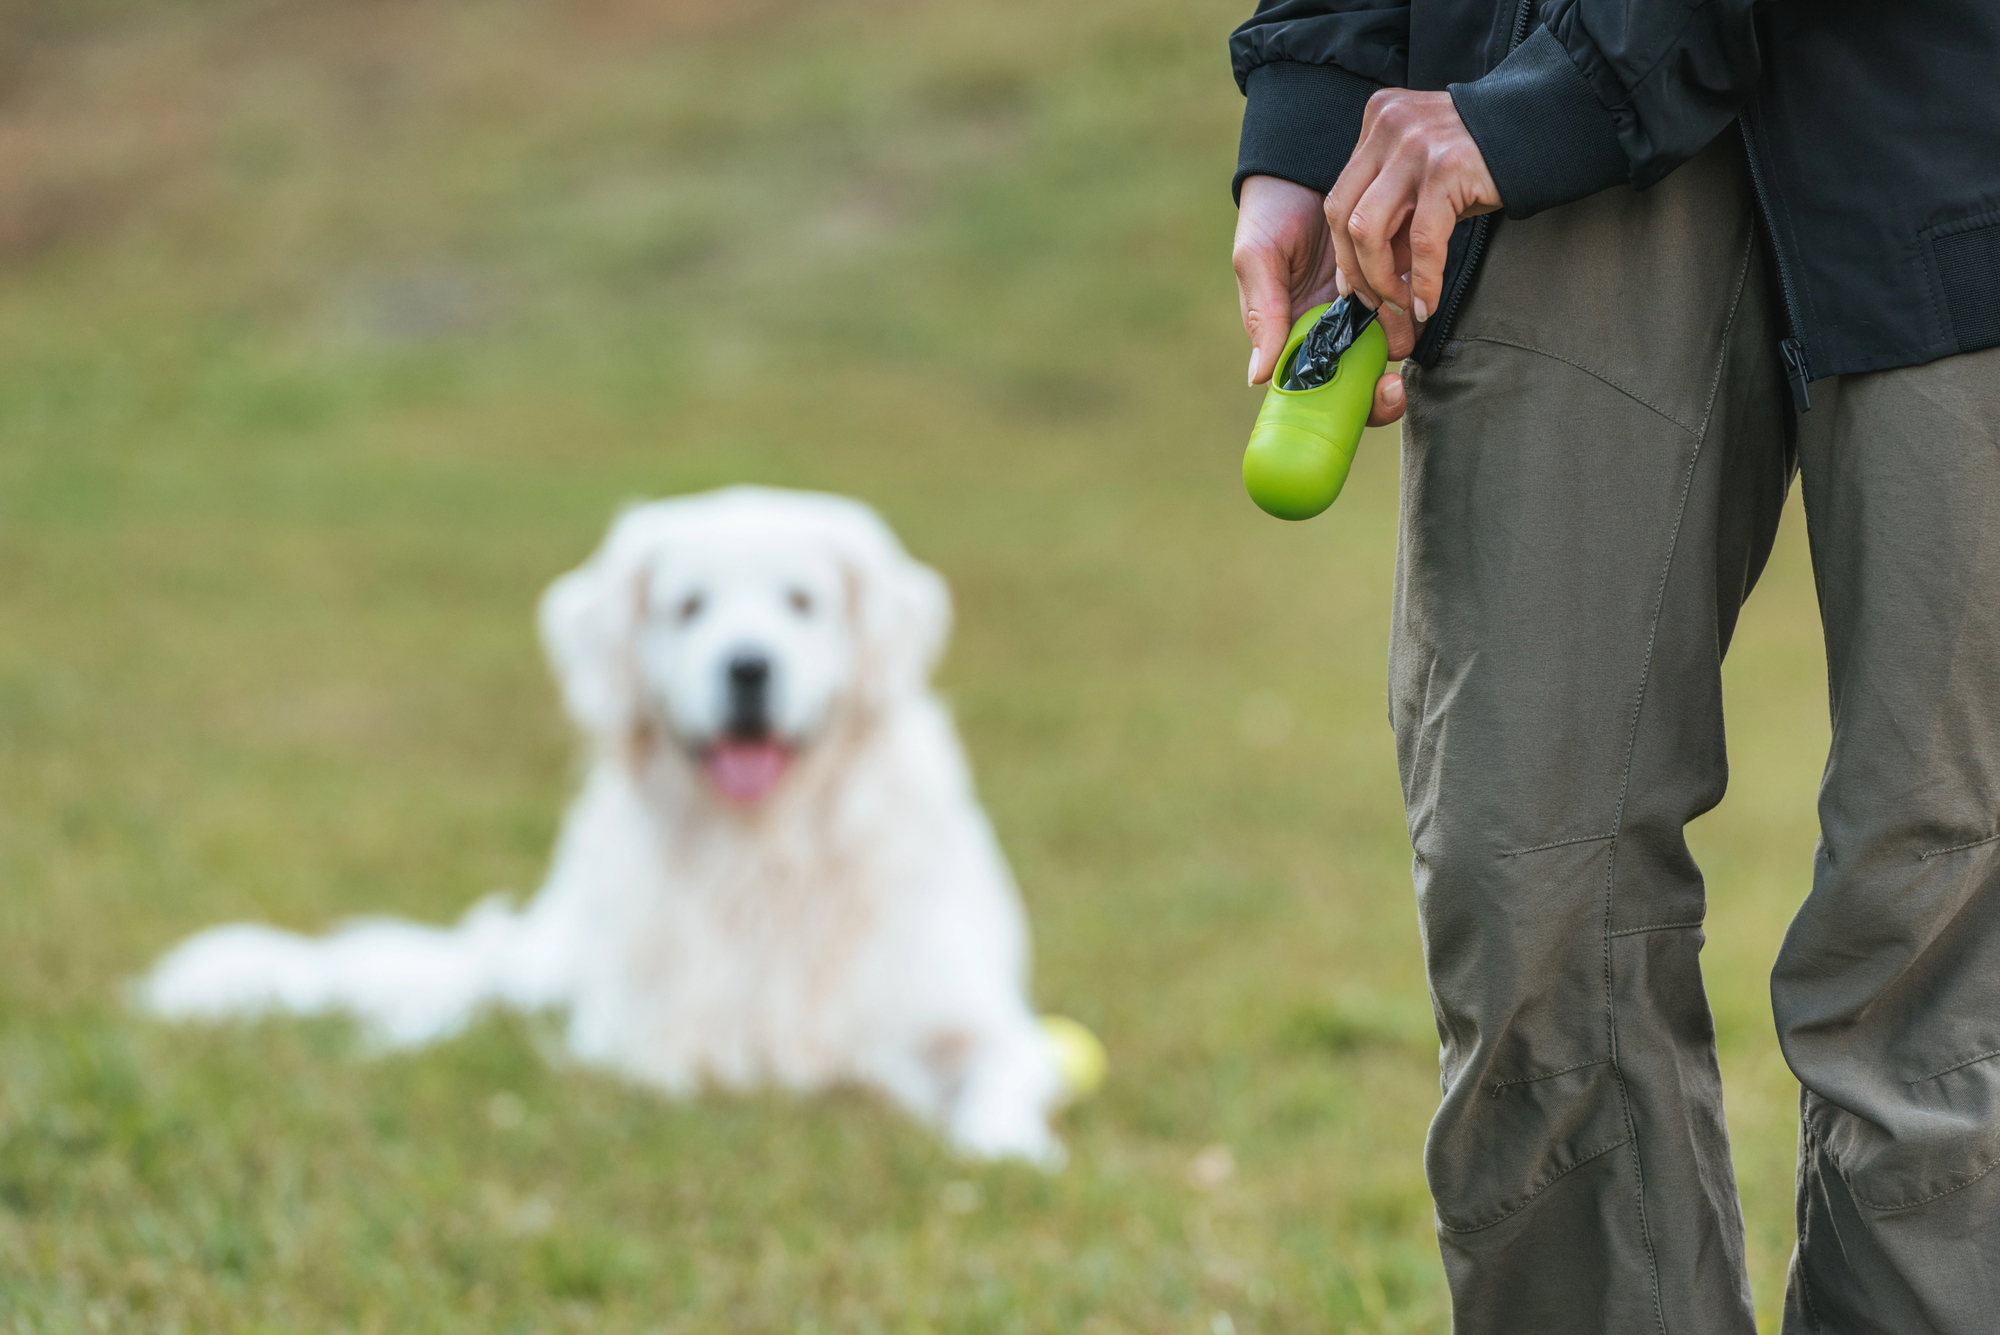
<point x="1905" y="1143"/>
<point x="1493" y="1149"/>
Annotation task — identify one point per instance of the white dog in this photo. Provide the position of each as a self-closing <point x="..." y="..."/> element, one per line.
<point x="776" y="871"/>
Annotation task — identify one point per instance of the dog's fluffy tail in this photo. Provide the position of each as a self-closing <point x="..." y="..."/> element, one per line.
<point x="407" y="984"/>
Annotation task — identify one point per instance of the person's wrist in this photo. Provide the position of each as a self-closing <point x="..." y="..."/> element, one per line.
<point x="1262" y="190"/>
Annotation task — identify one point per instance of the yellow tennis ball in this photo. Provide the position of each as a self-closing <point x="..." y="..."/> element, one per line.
<point x="1079" y="1056"/>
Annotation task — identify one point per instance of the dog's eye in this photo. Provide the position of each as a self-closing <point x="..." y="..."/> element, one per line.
<point x="801" y="602"/>
<point x="690" y="608"/>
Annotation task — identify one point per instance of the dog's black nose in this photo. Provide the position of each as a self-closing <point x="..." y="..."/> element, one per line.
<point x="749" y="696"/>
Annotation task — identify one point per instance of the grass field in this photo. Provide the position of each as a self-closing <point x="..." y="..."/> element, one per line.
<point x="330" y="331"/>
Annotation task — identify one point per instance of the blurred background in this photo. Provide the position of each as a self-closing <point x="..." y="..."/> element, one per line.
<point x="331" y="330"/>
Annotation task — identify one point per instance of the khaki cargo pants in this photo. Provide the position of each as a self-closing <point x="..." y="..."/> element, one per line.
<point x="1592" y="476"/>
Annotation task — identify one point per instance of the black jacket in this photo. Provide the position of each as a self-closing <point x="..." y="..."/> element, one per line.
<point x="1873" y="132"/>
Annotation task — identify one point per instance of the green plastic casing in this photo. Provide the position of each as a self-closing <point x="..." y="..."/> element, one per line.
<point x="1304" y="440"/>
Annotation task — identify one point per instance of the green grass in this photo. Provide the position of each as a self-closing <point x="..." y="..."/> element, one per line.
<point x="330" y="331"/>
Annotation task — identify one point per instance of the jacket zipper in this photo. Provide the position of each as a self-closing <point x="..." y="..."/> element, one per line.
<point x="1798" y="371"/>
<point x="1482" y="227"/>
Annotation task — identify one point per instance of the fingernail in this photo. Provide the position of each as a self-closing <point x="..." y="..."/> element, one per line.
<point x="1392" y="306"/>
<point x="1256" y="356"/>
<point x="1340" y="283"/>
<point x="1423" y="313"/>
<point x="1392" y="393"/>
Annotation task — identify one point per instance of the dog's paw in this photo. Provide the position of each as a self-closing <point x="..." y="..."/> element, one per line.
<point x="996" y="1134"/>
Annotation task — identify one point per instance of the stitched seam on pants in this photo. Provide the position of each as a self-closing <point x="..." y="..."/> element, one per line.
<point x="1656" y="927"/>
<point x="1973" y="426"/>
<point x="1611" y="874"/>
<point x="1735" y="304"/>
<point x="1879" y="1206"/>
<point x="1955" y="1066"/>
<point x="1560" y="843"/>
<point x="1598" y="1153"/>
<point x="1593" y="374"/>
<point x="1448" y="1029"/>
<point x="1809" y="1154"/>
<point x="1546" y="1075"/>
<point x="1957" y="848"/>
<point x="1625" y="786"/>
<point x="1991" y="1164"/>
<point x="1806" y="1132"/>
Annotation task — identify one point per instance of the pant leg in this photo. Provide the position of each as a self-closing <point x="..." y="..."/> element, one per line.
<point x="1592" y="477"/>
<point x="1887" y="990"/>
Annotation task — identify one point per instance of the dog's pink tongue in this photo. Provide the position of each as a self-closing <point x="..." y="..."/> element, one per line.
<point x="746" y="771"/>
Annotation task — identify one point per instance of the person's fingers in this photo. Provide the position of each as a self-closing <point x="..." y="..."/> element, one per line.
<point x="1266" y="300"/>
<point x="1414" y="174"/>
<point x="1340" y="202"/>
<point x="1401" y="332"/>
<point x="1390" y="400"/>
<point x="1431" y="223"/>
<point x="1373" y="226"/>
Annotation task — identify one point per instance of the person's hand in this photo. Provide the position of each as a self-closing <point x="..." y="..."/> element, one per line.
<point x="1415" y="172"/>
<point x="1284" y="266"/>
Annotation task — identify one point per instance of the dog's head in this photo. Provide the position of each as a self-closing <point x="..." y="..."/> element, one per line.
<point x="740" y="626"/>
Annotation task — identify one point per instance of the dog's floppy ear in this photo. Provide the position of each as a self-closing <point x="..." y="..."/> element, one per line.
<point x="902" y="614"/>
<point x="587" y="621"/>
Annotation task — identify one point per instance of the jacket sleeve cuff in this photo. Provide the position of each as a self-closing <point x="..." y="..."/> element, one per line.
<point x="1301" y="123"/>
<point x="1546" y="138"/>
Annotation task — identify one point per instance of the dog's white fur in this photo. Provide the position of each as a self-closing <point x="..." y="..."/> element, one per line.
<point x="858" y="923"/>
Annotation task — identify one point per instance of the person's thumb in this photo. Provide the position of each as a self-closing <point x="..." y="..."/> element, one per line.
<point x="1267" y="313"/>
<point x="1390" y="400"/>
